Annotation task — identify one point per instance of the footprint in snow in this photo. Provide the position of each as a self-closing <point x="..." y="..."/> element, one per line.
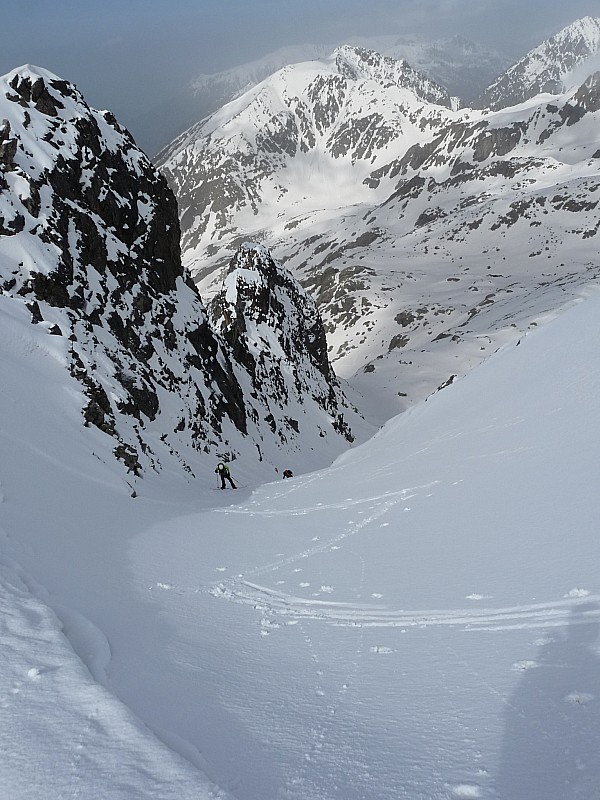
<point x="523" y="666"/>
<point x="577" y="593"/>
<point x="579" y="698"/>
<point x="466" y="791"/>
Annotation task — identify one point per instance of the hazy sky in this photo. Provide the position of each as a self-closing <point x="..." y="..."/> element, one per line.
<point x="127" y="55"/>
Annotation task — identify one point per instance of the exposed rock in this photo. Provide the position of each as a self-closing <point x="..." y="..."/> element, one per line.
<point x="103" y="224"/>
<point x="275" y="332"/>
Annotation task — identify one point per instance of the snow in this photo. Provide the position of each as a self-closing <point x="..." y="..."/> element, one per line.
<point x="418" y="621"/>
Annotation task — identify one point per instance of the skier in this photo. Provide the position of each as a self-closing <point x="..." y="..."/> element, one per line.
<point x="287" y="473"/>
<point x="223" y="471"/>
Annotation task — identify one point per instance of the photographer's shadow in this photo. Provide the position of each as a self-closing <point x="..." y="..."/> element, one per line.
<point x="551" y="747"/>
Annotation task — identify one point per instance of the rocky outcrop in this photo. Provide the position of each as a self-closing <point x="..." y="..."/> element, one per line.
<point x="275" y="333"/>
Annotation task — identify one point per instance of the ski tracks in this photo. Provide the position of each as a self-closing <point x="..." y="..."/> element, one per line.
<point x="368" y="615"/>
<point x="280" y="608"/>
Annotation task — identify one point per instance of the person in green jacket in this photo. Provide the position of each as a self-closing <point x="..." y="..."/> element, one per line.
<point x="223" y="471"/>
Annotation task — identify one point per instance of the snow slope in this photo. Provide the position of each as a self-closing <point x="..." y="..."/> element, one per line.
<point x="418" y="621"/>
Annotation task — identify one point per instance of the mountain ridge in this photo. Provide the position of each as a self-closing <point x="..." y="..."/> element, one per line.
<point x="462" y="67"/>
<point x="547" y="68"/>
<point x="402" y="191"/>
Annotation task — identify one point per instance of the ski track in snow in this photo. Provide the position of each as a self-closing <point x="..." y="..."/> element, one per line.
<point x="292" y="609"/>
<point x="272" y="603"/>
<point x="538" y="615"/>
<point x="384" y="503"/>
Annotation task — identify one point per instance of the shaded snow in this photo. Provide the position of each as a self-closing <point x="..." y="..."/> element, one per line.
<point x="418" y="621"/>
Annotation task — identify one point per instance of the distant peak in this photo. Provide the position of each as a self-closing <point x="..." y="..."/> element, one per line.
<point x="549" y="67"/>
<point x="359" y="63"/>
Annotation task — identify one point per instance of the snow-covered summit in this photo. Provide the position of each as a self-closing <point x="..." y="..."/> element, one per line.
<point x="358" y="63"/>
<point x="463" y="68"/>
<point x="548" y="68"/>
<point x="321" y="125"/>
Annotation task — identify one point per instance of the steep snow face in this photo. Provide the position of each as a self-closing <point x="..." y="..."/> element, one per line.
<point x="276" y="337"/>
<point x="548" y="68"/>
<point x="89" y="239"/>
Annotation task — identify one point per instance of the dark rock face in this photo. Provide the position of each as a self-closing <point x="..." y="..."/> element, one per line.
<point x="98" y="229"/>
<point x="275" y="332"/>
<point x="110" y="269"/>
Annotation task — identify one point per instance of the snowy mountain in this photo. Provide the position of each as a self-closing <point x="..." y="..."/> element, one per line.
<point x="89" y="244"/>
<point x="420" y="619"/>
<point x="205" y="94"/>
<point x="553" y="67"/>
<point x="462" y="67"/>
<point x="326" y="117"/>
<point x="428" y="236"/>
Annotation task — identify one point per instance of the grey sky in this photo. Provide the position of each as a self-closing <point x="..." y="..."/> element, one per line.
<point x="127" y="55"/>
